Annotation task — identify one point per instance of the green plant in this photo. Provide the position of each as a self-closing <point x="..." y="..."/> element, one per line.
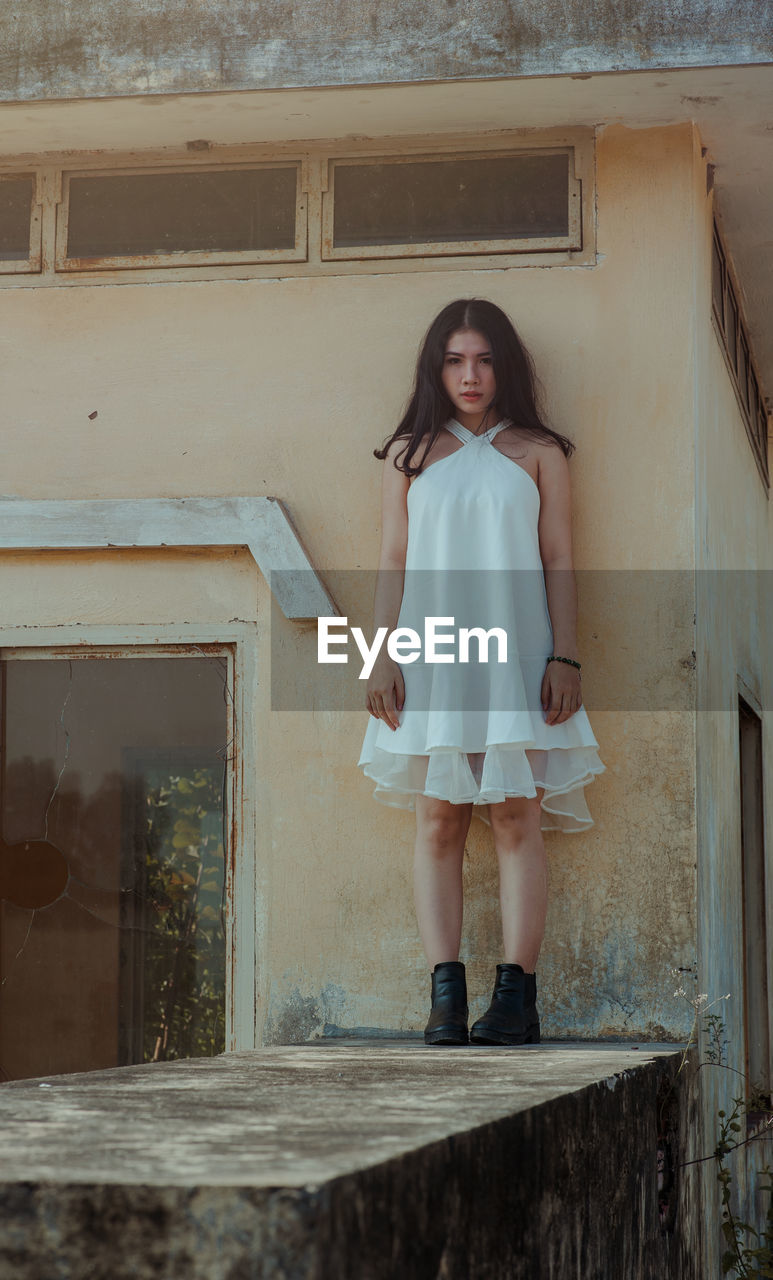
<point x="747" y="1261"/>
<point x="717" y="1042"/>
<point x="741" y="1257"/>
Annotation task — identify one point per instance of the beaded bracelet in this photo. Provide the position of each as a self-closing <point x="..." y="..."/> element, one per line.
<point x="554" y="658"/>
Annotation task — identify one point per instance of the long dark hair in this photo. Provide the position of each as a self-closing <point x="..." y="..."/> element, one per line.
<point x="517" y="394"/>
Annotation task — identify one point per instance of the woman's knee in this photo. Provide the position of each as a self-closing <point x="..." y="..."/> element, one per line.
<point x="440" y="824"/>
<point x="517" y="815"/>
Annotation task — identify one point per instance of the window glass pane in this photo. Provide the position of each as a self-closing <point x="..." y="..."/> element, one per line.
<point x="743" y="370"/>
<point x="716" y="280"/>
<point x="731" y="326"/>
<point x="15" y="214"/>
<point x="112" y="862"/>
<point x="754" y="398"/>
<point x="165" y="213"/>
<point x="460" y="199"/>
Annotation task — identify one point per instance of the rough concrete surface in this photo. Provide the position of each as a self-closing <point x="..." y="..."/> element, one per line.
<point x="344" y="1160"/>
<point x="102" y="48"/>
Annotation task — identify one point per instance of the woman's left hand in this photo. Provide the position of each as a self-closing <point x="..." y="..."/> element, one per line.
<point x="561" y="692"/>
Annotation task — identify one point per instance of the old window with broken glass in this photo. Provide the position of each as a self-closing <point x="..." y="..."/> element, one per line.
<point x="115" y="778"/>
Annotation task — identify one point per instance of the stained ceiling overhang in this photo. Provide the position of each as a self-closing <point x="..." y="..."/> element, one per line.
<point x="732" y="107"/>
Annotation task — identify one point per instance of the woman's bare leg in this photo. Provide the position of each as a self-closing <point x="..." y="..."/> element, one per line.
<point x="522" y="877"/>
<point x="441" y="831"/>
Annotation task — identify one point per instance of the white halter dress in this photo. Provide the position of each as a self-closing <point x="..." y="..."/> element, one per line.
<point x="476" y="732"/>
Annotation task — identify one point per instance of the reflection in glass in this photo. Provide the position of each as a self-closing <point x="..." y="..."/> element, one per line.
<point x="113" y="830"/>
<point x="172" y="958"/>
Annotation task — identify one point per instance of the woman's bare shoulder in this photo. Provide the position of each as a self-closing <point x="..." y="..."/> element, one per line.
<point x="538" y="448"/>
<point x="553" y="471"/>
<point x="395" y="449"/>
<point x="395" y="482"/>
<point x="514" y="432"/>
<point x="420" y="456"/>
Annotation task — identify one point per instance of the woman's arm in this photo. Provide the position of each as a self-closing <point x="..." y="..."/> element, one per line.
<point x="394" y="541"/>
<point x="561" y="691"/>
<point x="385" y="687"/>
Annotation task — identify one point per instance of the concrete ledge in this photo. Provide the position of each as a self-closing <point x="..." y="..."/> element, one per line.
<point x="342" y="1160"/>
<point x="262" y="524"/>
<point x="106" y="48"/>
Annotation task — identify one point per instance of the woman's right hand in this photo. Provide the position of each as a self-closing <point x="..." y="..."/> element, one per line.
<point x="386" y="691"/>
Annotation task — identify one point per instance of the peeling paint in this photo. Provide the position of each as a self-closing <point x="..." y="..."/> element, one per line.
<point x="295" y="1021"/>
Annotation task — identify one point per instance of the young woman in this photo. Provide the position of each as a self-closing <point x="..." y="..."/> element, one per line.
<point x="476" y="526"/>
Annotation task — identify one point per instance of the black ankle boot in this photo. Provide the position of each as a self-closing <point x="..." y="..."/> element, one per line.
<point x="512" y="1016"/>
<point x="448" y="1019"/>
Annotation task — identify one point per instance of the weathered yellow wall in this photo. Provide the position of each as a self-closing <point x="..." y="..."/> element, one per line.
<point x="734" y="555"/>
<point x="284" y="387"/>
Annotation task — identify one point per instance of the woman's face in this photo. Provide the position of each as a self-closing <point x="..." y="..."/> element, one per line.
<point x="468" y="376"/>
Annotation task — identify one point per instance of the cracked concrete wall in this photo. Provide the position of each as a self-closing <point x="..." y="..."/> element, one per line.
<point x="734" y="557"/>
<point x="199" y="391"/>
<point x="102" y="48"/>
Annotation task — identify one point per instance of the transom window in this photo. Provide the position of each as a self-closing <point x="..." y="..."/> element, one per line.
<point x="396" y="206"/>
<point x="123" y="219"/>
<point x="511" y="203"/>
